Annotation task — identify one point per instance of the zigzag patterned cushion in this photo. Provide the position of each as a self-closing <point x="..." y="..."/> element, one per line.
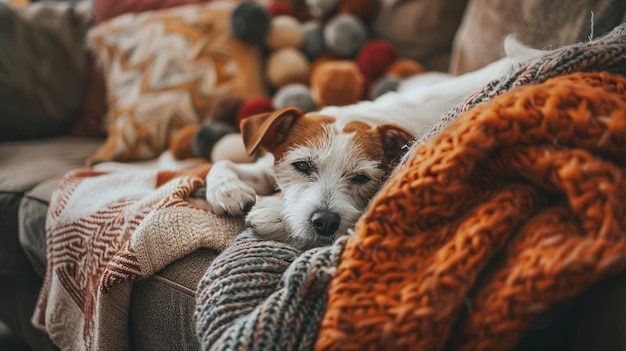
<point x="164" y="69"/>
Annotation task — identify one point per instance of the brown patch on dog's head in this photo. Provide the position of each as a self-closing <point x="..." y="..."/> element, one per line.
<point x="385" y="142"/>
<point x="277" y="131"/>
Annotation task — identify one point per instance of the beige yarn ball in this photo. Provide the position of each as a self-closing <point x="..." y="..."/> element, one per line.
<point x="288" y="65"/>
<point x="231" y="147"/>
<point x="285" y="31"/>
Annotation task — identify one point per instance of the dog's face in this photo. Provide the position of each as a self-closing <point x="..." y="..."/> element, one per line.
<point x="327" y="175"/>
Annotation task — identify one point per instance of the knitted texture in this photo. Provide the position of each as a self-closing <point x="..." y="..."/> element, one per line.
<point x="539" y="169"/>
<point x="264" y="295"/>
<point x="606" y="53"/>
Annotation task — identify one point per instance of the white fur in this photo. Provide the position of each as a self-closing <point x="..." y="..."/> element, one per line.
<point x="232" y="188"/>
<point x="266" y="217"/>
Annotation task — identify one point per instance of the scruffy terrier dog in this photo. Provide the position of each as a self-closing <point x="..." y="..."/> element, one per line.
<point x="327" y="173"/>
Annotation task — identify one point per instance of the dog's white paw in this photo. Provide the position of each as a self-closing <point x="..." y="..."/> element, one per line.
<point x="266" y="219"/>
<point x="230" y="197"/>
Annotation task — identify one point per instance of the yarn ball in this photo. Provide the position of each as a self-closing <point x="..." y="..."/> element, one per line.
<point x="321" y="8"/>
<point x="278" y="8"/>
<point x="254" y="107"/>
<point x="209" y="133"/>
<point x="384" y="85"/>
<point x="364" y="9"/>
<point x="298" y="95"/>
<point x="312" y="39"/>
<point x="225" y="109"/>
<point x="285" y="31"/>
<point x="287" y="65"/>
<point x="344" y="35"/>
<point x="404" y="68"/>
<point x="336" y="83"/>
<point x="181" y="141"/>
<point x="231" y="147"/>
<point x="375" y="57"/>
<point x="250" y="22"/>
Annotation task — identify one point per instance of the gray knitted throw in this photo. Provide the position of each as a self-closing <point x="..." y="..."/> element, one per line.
<point x="262" y="295"/>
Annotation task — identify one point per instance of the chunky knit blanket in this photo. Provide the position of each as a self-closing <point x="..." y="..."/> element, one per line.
<point x="107" y="229"/>
<point x="519" y="203"/>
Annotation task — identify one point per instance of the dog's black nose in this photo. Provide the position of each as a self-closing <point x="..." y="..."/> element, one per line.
<point x="325" y="223"/>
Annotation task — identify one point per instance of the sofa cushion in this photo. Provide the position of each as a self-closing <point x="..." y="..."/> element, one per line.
<point x="164" y="69"/>
<point x="42" y="68"/>
<point x="24" y="166"/>
<point x="28" y="163"/>
<point x="537" y="23"/>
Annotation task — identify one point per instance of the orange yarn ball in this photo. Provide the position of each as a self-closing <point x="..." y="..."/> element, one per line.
<point x="404" y="68"/>
<point x="336" y="83"/>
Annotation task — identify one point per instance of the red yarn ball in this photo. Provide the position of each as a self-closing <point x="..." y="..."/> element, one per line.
<point x="254" y="107"/>
<point x="375" y="57"/>
<point x="280" y="8"/>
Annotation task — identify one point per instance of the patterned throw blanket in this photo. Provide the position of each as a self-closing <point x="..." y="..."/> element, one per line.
<point x="519" y="203"/>
<point x="105" y="230"/>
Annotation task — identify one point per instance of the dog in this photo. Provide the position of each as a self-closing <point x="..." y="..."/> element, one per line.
<point x="326" y="172"/>
<point x="328" y="164"/>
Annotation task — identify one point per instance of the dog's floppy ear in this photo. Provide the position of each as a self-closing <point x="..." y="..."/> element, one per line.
<point x="394" y="140"/>
<point x="268" y="130"/>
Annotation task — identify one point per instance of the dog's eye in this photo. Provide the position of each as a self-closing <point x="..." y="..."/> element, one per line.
<point x="360" y="179"/>
<point x="302" y="167"/>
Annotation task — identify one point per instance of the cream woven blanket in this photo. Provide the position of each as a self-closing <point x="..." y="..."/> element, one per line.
<point x="104" y="231"/>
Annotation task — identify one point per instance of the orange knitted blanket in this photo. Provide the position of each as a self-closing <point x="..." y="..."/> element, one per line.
<point x="518" y="204"/>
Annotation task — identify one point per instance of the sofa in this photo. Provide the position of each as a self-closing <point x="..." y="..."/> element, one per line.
<point x="53" y="103"/>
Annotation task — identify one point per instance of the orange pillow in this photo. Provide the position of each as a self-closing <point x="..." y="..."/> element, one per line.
<point x="164" y="69"/>
<point x="106" y="9"/>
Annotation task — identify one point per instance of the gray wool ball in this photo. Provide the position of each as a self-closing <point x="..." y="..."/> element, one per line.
<point x="345" y="34"/>
<point x="298" y="95"/>
<point x="209" y="134"/>
<point x="313" y="39"/>
<point x="384" y="85"/>
<point x="250" y="22"/>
